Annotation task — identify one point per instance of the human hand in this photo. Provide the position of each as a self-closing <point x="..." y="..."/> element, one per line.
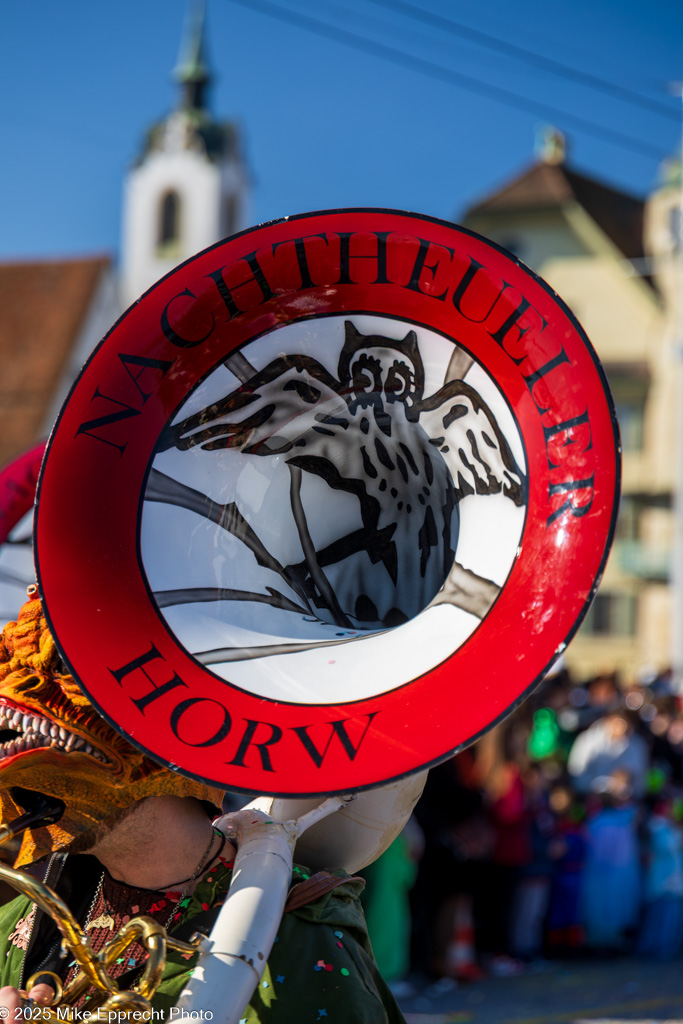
<point x="12" y="1000"/>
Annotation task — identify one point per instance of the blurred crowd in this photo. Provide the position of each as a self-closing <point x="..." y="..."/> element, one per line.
<point x="559" y="833"/>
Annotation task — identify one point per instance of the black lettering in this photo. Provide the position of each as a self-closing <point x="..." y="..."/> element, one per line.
<point x="172" y="335"/>
<point x="381" y="237"/>
<point x="501" y="334"/>
<point x="124" y="412"/>
<point x="249" y="741"/>
<point x="345" y="257"/>
<point x="419" y="266"/>
<point x="185" y="705"/>
<point x="569" y="486"/>
<point x="567" y="425"/>
<point x="225" y="293"/>
<point x="301" y="257"/>
<point x="463" y="287"/>
<point x="147" y="364"/>
<point x="533" y="378"/>
<point x="138" y="664"/>
<point x="257" y="276"/>
<point x="338" y="729"/>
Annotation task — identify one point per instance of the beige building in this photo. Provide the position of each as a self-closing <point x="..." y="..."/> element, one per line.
<point x="611" y="257"/>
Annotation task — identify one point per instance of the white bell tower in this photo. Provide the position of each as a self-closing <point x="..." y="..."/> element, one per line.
<point x="188" y="188"/>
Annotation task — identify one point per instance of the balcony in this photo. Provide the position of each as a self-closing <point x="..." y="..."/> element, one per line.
<point x="647" y="561"/>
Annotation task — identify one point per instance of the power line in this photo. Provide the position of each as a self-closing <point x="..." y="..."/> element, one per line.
<point x="529" y="57"/>
<point x="467" y="82"/>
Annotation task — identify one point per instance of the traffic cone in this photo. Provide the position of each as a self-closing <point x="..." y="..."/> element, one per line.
<point x="461" y="955"/>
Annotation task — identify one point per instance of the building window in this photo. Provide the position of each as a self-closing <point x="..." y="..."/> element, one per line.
<point x="168" y="239"/>
<point x="628" y="523"/>
<point x="611" y="615"/>
<point x="629" y="386"/>
<point x="630" y="415"/>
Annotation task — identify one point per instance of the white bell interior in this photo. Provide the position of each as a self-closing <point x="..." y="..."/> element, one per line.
<point x="295" y="533"/>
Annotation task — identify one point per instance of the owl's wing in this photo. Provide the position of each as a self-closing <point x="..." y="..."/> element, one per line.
<point x="463" y="428"/>
<point x="265" y="415"/>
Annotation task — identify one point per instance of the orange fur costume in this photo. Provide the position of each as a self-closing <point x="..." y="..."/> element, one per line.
<point x="53" y="741"/>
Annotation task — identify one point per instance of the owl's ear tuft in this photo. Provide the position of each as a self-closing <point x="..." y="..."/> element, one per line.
<point x="352" y="341"/>
<point x="410" y="338"/>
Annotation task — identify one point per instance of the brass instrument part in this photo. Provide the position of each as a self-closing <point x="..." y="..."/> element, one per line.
<point x="106" y="997"/>
<point x="56" y="982"/>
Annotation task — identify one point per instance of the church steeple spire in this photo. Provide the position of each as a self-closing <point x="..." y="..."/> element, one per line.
<point x="192" y="71"/>
<point x="189" y="185"/>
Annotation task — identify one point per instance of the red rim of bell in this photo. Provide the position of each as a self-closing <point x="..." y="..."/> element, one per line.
<point x="327" y="502"/>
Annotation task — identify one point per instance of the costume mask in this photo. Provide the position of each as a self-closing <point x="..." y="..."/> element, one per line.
<point x="54" y="742"/>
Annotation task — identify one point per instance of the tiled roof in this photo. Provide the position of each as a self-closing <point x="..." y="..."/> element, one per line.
<point x="42" y="308"/>
<point x="546" y="185"/>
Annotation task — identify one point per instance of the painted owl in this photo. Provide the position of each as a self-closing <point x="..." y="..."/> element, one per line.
<point x="403" y="460"/>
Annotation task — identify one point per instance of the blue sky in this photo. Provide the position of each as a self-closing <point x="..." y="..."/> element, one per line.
<point x="326" y="125"/>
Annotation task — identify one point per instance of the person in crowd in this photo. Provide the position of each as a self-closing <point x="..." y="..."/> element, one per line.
<point x="458" y="843"/>
<point x="611" y="892"/>
<point x="499" y="754"/>
<point x="661" y="934"/>
<point x="565" y="931"/>
<point x="609" y="745"/>
<point x="532" y="895"/>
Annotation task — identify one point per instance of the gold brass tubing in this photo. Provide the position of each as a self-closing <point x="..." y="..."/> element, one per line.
<point x="121" y="1003"/>
<point x="154" y="968"/>
<point x="192" y="946"/>
<point x="56" y="983"/>
<point x="153" y="936"/>
<point x="81" y="983"/>
<point x="47" y="1013"/>
<point x="93" y="967"/>
<point x="75" y="989"/>
<point x="137" y="928"/>
<point x="50" y="902"/>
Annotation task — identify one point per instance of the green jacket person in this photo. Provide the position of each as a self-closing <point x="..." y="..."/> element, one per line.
<point x="137" y="838"/>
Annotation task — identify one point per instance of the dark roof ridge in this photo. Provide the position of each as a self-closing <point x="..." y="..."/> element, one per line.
<point x="572" y="173"/>
<point x="544" y="186"/>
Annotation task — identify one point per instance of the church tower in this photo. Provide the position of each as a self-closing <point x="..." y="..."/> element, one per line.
<point x="188" y="188"/>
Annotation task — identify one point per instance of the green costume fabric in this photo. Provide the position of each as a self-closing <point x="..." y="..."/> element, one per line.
<point x="320" y="968"/>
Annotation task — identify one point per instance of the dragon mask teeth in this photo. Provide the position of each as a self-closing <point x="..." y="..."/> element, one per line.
<point x="21" y="731"/>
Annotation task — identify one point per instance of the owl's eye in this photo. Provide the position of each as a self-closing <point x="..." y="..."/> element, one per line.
<point x="366" y="374"/>
<point x="399" y="381"/>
